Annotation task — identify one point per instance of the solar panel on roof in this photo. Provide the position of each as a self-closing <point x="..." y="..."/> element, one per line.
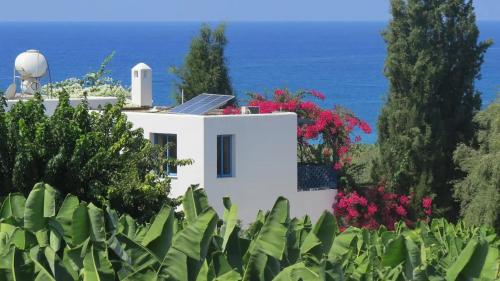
<point x="202" y="104"/>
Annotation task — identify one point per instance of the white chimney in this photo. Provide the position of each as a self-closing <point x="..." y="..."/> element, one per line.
<point x="142" y="85"/>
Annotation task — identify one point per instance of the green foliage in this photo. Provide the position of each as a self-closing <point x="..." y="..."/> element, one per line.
<point x="360" y="172"/>
<point x="479" y="191"/>
<point x="97" y="83"/>
<point x="434" y="57"/>
<point x="79" y="241"/>
<point x="204" y="69"/>
<point x="94" y="155"/>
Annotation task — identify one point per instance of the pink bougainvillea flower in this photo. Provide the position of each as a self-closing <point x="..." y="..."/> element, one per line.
<point x="351" y="121"/>
<point x="231" y="110"/>
<point x="317" y="94"/>
<point x="353" y="213"/>
<point x="308" y="106"/>
<point x="365" y="127"/>
<point x="362" y="201"/>
<point x="337" y="166"/>
<point x="337" y="121"/>
<point x="279" y="92"/>
<point x="311" y="132"/>
<point x="342" y="150"/>
<point x="404" y="200"/>
<point x="372" y="209"/>
<point x="427" y="202"/>
<point x="375" y="207"/>
<point x="400" y="210"/>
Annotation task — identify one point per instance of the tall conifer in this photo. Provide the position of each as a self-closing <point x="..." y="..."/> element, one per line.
<point x="434" y="57"/>
<point x="204" y="69"/>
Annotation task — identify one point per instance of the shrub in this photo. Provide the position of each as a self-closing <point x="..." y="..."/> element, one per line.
<point x="479" y="191"/>
<point x="79" y="241"/>
<point x="96" y="83"/>
<point x="376" y="207"/>
<point x="94" y="155"/>
<point x="325" y="136"/>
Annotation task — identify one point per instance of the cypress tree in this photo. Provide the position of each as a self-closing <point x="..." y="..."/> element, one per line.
<point x="204" y="69"/>
<point x="434" y="57"/>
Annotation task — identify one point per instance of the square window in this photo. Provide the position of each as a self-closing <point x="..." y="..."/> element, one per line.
<point x="225" y="156"/>
<point x="170" y="140"/>
<point x="136" y="73"/>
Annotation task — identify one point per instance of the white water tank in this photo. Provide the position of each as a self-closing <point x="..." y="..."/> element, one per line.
<point x="31" y="64"/>
<point x="142" y="85"/>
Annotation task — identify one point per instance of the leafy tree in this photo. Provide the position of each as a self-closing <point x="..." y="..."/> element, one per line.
<point x="479" y="191"/>
<point x="204" y="67"/>
<point x="434" y="57"/>
<point x="94" y="155"/>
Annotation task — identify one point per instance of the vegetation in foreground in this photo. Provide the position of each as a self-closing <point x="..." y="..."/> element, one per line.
<point x="78" y="241"/>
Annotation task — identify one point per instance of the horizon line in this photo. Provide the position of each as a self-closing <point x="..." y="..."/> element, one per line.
<point x="212" y="21"/>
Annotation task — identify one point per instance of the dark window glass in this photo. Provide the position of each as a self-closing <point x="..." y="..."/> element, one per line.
<point x="170" y="140"/>
<point x="219" y="156"/>
<point x="172" y="153"/>
<point x="224" y="155"/>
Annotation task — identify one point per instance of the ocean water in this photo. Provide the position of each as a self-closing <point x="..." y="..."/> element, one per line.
<point x="344" y="60"/>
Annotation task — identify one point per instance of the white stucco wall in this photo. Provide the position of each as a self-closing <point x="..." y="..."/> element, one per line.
<point x="51" y="104"/>
<point x="265" y="163"/>
<point x="189" y="131"/>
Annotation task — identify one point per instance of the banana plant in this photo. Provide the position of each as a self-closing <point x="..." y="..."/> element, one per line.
<point x="44" y="239"/>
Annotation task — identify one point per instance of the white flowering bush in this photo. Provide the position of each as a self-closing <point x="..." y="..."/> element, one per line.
<point x="76" y="88"/>
<point x="96" y="84"/>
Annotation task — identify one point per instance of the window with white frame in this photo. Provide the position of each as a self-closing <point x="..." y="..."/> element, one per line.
<point x="225" y="156"/>
<point x="170" y="140"/>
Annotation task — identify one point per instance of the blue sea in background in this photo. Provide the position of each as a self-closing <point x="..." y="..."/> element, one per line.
<point x="344" y="60"/>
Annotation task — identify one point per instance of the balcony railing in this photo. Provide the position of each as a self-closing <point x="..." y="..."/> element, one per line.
<point x="316" y="177"/>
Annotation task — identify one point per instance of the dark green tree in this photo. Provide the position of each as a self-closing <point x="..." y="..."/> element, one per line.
<point x="97" y="156"/>
<point x="479" y="191"/>
<point x="204" y="69"/>
<point x="434" y="57"/>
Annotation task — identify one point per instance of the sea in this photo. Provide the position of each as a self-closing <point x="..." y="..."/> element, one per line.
<point x="344" y="60"/>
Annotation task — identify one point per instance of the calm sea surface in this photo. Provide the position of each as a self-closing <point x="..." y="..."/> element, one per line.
<point x="343" y="60"/>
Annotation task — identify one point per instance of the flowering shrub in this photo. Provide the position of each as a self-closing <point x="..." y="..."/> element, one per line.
<point x="378" y="207"/>
<point x="324" y="135"/>
<point x="96" y="84"/>
<point x="231" y="110"/>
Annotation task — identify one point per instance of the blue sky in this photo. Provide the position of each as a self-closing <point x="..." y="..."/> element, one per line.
<point x="210" y="10"/>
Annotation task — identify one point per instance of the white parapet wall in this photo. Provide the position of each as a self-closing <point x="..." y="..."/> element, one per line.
<point x="264" y="159"/>
<point x="51" y="103"/>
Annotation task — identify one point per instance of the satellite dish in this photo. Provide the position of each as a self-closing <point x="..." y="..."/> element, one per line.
<point x="11" y="91"/>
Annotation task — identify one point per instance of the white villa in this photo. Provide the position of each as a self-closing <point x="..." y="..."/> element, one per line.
<point x="250" y="157"/>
